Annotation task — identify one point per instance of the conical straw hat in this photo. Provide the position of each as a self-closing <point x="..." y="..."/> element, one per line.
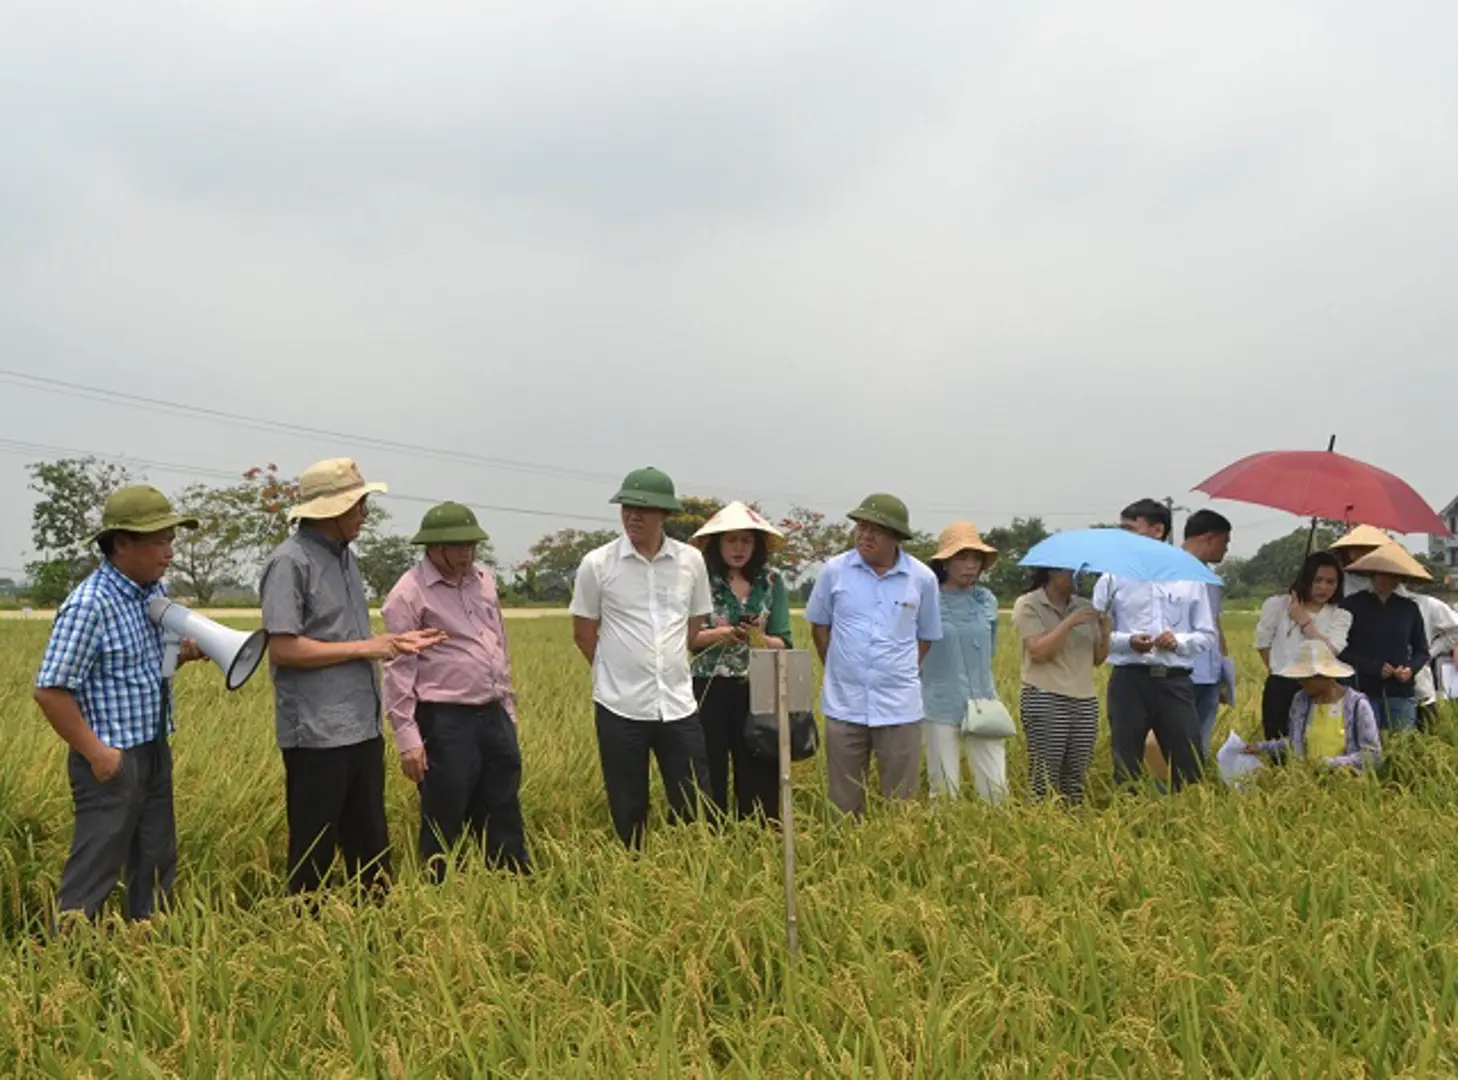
<point x="737" y="517"/>
<point x="1390" y="558"/>
<point x="1362" y="536"/>
<point x="1315" y="660"/>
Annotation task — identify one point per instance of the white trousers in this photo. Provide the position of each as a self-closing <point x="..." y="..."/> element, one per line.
<point x="987" y="758"/>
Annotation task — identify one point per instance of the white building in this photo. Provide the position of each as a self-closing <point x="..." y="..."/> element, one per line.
<point x="1444" y="549"/>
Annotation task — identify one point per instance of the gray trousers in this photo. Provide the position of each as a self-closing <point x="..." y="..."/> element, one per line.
<point x="124" y="827"/>
<point x="848" y="750"/>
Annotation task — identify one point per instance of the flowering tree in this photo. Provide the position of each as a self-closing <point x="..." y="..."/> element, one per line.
<point x="809" y="541"/>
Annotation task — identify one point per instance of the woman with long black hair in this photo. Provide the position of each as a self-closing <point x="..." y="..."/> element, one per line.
<point x="1309" y="611"/>
<point x="750" y="600"/>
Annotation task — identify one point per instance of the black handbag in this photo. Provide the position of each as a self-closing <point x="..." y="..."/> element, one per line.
<point x="762" y="735"/>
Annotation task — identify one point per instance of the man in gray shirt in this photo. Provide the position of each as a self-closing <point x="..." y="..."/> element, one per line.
<point x="322" y="654"/>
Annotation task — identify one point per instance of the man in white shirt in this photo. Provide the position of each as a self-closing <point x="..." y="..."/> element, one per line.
<point x="1440" y="623"/>
<point x="1207" y="538"/>
<point x="1159" y="628"/>
<point x="637" y="604"/>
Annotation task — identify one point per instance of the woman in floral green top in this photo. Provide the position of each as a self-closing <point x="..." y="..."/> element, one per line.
<point x="750" y="601"/>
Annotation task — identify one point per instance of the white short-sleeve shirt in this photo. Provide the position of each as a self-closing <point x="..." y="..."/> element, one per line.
<point x="641" y="670"/>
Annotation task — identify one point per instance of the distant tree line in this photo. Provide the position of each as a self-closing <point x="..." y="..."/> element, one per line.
<point x="238" y="525"/>
<point x="242" y="521"/>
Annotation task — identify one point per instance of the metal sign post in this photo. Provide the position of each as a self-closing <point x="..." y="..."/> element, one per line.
<point x="782" y="681"/>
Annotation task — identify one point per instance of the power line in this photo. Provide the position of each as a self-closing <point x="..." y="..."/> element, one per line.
<point x="105" y="395"/>
<point x="16" y="447"/>
<point x="176" y="408"/>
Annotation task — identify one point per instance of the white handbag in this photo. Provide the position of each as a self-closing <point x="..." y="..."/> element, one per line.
<point x="988" y="718"/>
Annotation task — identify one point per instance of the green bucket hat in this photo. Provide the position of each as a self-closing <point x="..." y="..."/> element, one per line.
<point x="139" y="510"/>
<point x="884" y="510"/>
<point x="449" y="523"/>
<point x="650" y="488"/>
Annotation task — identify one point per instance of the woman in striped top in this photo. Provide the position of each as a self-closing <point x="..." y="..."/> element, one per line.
<point x="1064" y="639"/>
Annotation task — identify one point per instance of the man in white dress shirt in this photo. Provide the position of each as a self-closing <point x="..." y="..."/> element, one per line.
<point x="1159" y="628"/>
<point x="637" y="604"/>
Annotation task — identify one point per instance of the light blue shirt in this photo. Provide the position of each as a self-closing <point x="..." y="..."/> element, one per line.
<point x="958" y="668"/>
<point x="875" y="623"/>
<point x="1152" y="607"/>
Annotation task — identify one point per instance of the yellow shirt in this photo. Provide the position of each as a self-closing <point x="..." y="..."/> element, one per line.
<point x="1326" y="732"/>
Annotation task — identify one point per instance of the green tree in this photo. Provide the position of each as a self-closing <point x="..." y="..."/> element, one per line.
<point x="384" y="558"/>
<point x="809" y="541"/>
<point x="696" y="510"/>
<point x="922" y="545"/>
<point x="72" y="493"/>
<point x="1276" y="563"/>
<point x="1007" y="579"/>
<point x="551" y="564"/>
<point x="205" y="557"/>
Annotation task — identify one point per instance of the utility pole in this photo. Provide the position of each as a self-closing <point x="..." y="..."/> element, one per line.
<point x="1173" y="509"/>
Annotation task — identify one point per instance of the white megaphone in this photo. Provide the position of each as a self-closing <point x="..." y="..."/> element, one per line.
<point x="237" y="652"/>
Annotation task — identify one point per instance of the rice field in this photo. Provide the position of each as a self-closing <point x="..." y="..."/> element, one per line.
<point x="1305" y="928"/>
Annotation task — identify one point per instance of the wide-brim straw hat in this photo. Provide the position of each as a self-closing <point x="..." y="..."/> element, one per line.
<point x="329" y="488"/>
<point x="1363" y="536"/>
<point x="1390" y="558"/>
<point x="737" y="517"/>
<point x="1314" y="660"/>
<point x="963" y="536"/>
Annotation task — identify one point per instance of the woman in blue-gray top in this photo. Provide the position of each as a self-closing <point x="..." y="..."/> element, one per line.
<point x="958" y="668"/>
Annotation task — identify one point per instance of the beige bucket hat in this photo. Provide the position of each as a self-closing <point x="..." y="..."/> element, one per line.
<point x="737" y="517"/>
<point x="1315" y="660"/>
<point x="329" y="488"/>
<point x="1363" y="536"/>
<point x="1390" y="558"/>
<point x="963" y="536"/>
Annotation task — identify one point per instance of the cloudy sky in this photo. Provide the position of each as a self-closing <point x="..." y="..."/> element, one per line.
<point x="1033" y="258"/>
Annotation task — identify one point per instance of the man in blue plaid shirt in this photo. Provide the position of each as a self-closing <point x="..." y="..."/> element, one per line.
<point x="101" y="687"/>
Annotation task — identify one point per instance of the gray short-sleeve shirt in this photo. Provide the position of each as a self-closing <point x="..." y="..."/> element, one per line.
<point x="311" y="587"/>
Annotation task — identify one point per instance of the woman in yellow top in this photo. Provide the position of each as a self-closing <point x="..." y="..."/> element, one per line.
<point x="1330" y="723"/>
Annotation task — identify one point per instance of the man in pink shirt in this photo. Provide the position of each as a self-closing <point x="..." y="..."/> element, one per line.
<point x="452" y="708"/>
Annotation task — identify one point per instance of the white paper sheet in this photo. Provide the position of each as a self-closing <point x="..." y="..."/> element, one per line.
<point x="1235" y="765"/>
<point x="1449" y="688"/>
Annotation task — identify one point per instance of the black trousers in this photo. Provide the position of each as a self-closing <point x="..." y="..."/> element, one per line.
<point x="723" y="709"/>
<point x="124" y="827"/>
<point x="472" y="784"/>
<point x="1141" y="701"/>
<point x="336" y="801"/>
<point x="1276" y="698"/>
<point x="623" y="747"/>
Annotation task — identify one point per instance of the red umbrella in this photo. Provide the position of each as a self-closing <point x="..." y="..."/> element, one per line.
<point x="1325" y="484"/>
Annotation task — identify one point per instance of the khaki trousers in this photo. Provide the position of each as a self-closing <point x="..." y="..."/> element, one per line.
<point x="848" y="751"/>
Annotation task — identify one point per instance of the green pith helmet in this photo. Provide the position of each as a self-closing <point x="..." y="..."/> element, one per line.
<point x="884" y="510"/>
<point x="139" y="510"/>
<point x="650" y="488"/>
<point x="449" y="523"/>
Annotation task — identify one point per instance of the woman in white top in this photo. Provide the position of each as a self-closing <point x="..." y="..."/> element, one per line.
<point x="1309" y="612"/>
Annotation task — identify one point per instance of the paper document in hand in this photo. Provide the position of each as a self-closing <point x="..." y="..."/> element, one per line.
<point x="1236" y="765"/>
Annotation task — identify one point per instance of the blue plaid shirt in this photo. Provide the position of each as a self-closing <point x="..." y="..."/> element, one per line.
<point x="108" y="654"/>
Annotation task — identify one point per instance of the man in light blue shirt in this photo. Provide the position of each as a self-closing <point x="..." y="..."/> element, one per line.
<point x="874" y="614"/>
<point x="1207" y="538"/>
<point x="1159" y="629"/>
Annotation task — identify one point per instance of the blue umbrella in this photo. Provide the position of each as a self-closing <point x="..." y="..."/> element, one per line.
<point x="1114" y="551"/>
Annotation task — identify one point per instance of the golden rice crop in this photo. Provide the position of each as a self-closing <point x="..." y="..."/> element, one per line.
<point x="1306" y="928"/>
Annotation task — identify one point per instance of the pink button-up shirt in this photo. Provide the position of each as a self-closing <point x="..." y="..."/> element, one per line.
<point x="472" y="667"/>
